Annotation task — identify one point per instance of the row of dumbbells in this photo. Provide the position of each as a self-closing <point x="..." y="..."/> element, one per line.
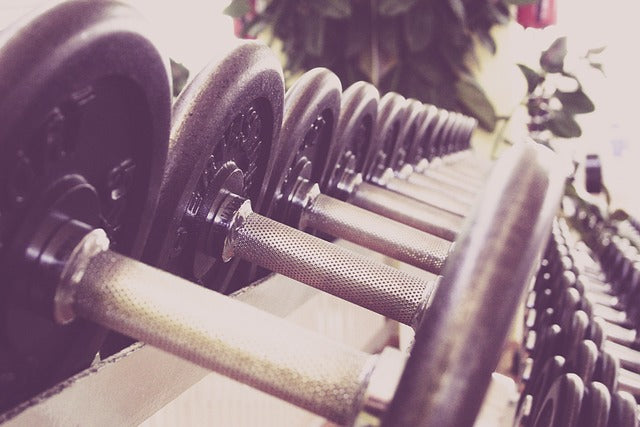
<point x="99" y="168"/>
<point x="580" y="366"/>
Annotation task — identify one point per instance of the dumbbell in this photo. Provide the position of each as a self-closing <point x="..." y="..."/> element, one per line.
<point x="357" y="124"/>
<point x="386" y="137"/>
<point x="104" y="96"/>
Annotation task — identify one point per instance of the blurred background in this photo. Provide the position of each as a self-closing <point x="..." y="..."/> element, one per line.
<point x="456" y="54"/>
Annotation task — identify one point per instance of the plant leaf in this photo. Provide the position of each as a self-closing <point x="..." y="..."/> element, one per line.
<point x="533" y="78"/>
<point x="314" y="36"/>
<point x="418" y="27"/>
<point x="564" y="125"/>
<point x="394" y="7"/>
<point x="237" y="8"/>
<point x="457" y="8"/>
<point x="474" y="101"/>
<point x="337" y="9"/>
<point x="598" y="66"/>
<point x="179" y="76"/>
<point x="575" y="102"/>
<point x="596" y="50"/>
<point x="552" y="59"/>
<point x="487" y="41"/>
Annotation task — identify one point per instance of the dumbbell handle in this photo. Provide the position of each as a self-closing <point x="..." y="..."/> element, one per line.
<point x="459" y="191"/>
<point x="224" y="335"/>
<point x="429" y="196"/>
<point x="407" y="210"/>
<point x="330" y="268"/>
<point x="391" y="238"/>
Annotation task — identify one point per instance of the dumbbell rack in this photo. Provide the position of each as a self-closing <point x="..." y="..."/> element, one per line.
<point x="125" y="213"/>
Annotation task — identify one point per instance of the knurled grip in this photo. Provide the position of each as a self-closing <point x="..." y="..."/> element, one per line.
<point x="373" y="231"/>
<point x="407" y="210"/>
<point x="224" y="335"/>
<point x="431" y="196"/>
<point x="458" y="192"/>
<point x="331" y="268"/>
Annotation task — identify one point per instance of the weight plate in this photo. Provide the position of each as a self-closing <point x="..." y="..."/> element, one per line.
<point x="408" y="134"/>
<point x="596" y="405"/>
<point x="353" y="135"/>
<point x="562" y="403"/>
<point x="440" y="130"/>
<point x="311" y="109"/>
<point x="623" y="410"/>
<point x="84" y="122"/>
<point x="391" y="117"/>
<point x="223" y="130"/>
<point x="425" y="127"/>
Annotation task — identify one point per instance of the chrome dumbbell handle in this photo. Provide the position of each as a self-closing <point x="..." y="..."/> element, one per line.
<point x="221" y="334"/>
<point x="429" y="196"/>
<point x="391" y="238"/>
<point x="407" y="210"/>
<point x="328" y="267"/>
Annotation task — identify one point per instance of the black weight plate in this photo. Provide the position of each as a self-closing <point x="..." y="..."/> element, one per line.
<point x="562" y="403"/>
<point x="353" y="134"/>
<point x="408" y="134"/>
<point x="391" y="117"/>
<point x="434" y="133"/>
<point x="440" y="131"/>
<point x="223" y="130"/>
<point x="427" y="121"/>
<point x="84" y="95"/>
<point x="311" y="110"/>
<point x="585" y="360"/>
<point x="623" y="410"/>
<point x="596" y="406"/>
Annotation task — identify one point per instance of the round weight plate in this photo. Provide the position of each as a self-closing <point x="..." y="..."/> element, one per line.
<point x="623" y="410"/>
<point x="353" y="135"/>
<point x="391" y="117"/>
<point x="311" y="110"/>
<point x="440" y="130"/>
<point x="408" y="134"/>
<point x="85" y="106"/>
<point x="562" y="403"/>
<point x="223" y="130"/>
<point x="427" y="121"/>
<point x="596" y="406"/>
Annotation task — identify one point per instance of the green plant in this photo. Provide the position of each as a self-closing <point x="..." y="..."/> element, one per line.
<point x="419" y="48"/>
<point x="550" y="106"/>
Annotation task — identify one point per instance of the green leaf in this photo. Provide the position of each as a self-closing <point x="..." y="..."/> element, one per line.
<point x="533" y="78"/>
<point x="237" y="8"/>
<point x="598" y="66"/>
<point x="474" y="101"/>
<point x="487" y="41"/>
<point x="552" y="59"/>
<point x="418" y="27"/>
<point x="457" y="8"/>
<point x="596" y="50"/>
<point x="179" y="76"/>
<point x="337" y="9"/>
<point x="564" y="125"/>
<point x="314" y="36"/>
<point x="575" y="102"/>
<point x="394" y="7"/>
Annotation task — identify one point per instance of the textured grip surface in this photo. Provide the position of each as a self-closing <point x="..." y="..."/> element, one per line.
<point x="407" y="210"/>
<point x="224" y="335"/>
<point x="460" y="191"/>
<point x="432" y="196"/>
<point x="373" y="231"/>
<point x="331" y="268"/>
